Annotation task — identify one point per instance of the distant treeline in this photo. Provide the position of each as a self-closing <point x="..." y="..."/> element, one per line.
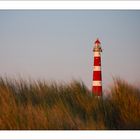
<point x="40" y="105"/>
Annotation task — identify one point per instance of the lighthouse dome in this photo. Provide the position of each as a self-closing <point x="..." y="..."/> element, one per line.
<point x="97" y="47"/>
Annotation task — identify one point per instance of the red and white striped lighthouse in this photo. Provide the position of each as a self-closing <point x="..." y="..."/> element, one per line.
<point x="97" y="74"/>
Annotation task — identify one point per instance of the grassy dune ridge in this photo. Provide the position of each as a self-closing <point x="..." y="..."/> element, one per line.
<point x="41" y="105"/>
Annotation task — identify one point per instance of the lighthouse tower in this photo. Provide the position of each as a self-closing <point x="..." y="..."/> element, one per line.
<point x="97" y="74"/>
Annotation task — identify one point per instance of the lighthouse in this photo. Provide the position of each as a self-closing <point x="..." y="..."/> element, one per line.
<point x="97" y="73"/>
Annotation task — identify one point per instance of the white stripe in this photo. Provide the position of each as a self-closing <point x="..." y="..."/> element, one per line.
<point x="97" y="54"/>
<point x="97" y="83"/>
<point x="97" y="68"/>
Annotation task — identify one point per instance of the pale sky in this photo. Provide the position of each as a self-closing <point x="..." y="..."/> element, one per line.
<point x="57" y="44"/>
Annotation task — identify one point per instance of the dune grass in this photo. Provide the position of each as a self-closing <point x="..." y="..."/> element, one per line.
<point x="38" y="105"/>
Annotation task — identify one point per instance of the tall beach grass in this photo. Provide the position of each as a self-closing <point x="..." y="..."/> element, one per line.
<point x="38" y="105"/>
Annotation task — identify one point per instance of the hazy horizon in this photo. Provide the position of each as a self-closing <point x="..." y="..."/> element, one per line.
<point x="57" y="44"/>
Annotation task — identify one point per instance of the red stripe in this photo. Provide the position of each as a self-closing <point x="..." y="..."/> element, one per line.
<point x="97" y="76"/>
<point x="97" y="90"/>
<point x="97" y="61"/>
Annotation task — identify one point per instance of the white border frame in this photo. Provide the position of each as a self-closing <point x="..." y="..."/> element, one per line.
<point x="70" y="135"/>
<point x="72" y="5"/>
